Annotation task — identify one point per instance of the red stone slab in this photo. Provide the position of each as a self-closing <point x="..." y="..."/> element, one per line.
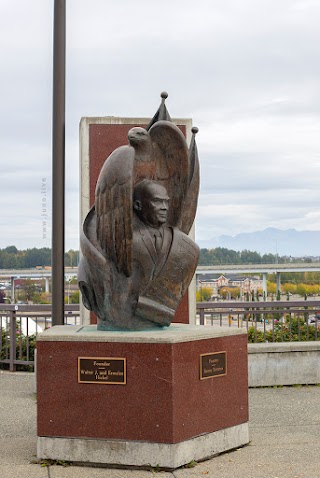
<point x="163" y="401"/>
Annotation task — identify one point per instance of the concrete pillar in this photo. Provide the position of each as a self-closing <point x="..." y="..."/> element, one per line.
<point x="264" y="284"/>
<point x="197" y="277"/>
<point x="278" y="282"/>
<point x="47" y="284"/>
<point x="12" y="290"/>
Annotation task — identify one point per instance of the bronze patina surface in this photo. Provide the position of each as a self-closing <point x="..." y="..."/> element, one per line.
<point x="137" y="259"/>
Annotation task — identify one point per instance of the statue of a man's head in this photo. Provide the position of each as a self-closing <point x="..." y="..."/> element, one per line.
<point x="151" y="202"/>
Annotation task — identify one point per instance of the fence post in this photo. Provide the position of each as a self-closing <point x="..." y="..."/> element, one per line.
<point x="13" y="340"/>
<point x="201" y="316"/>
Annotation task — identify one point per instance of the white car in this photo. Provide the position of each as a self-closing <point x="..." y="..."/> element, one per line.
<point x="314" y="319"/>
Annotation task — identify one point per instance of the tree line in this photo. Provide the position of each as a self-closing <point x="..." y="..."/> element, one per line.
<point x="12" y="258"/>
<point x="222" y="255"/>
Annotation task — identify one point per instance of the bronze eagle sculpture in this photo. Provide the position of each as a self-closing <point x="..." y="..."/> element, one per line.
<point x="137" y="258"/>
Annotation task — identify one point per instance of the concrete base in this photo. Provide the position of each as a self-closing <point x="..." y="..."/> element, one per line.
<point x="143" y="454"/>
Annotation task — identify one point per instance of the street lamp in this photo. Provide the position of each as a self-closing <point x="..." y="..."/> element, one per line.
<point x="58" y="161"/>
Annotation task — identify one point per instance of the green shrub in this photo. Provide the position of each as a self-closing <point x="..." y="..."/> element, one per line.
<point x="3" y="345"/>
<point x="255" y="335"/>
<point x="291" y="330"/>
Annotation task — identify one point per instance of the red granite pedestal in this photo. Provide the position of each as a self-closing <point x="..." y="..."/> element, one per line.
<point x="167" y="406"/>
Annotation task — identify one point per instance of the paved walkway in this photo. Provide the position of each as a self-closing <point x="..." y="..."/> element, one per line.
<point x="284" y="432"/>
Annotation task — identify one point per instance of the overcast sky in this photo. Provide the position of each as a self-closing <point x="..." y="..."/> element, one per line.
<point x="247" y="72"/>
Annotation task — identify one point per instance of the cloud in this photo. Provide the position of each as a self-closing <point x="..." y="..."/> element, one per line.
<point x="246" y="72"/>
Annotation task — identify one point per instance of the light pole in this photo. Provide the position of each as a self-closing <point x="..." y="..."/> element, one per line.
<point x="58" y="161"/>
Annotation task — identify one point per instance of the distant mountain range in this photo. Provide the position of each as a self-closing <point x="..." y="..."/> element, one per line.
<point x="284" y="242"/>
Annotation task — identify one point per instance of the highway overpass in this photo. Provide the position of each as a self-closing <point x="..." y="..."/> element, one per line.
<point x="216" y="269"/>
<point x="34" y="272"/>
<point x="225" y="269"/>
<point x="259" y="268"/>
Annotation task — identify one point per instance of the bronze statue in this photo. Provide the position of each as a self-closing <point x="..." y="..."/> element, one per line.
<point x="137" y="259"/>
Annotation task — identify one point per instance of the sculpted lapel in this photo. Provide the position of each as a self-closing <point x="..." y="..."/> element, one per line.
<point x="148" y="241"/>
<point x="166" y="243"/>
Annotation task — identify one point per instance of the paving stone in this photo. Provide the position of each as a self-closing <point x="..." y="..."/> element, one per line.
<point x="86" y="472"/>
<point x="18" y="451"/>
<point x="23" y="471"/>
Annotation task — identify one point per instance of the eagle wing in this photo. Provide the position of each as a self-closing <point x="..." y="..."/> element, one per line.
<point x="113" y="206"/>
<point x="189" y="208"/>
<point x="170" y="153"/>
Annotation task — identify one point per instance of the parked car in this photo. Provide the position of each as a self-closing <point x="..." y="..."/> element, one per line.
<point x="314" y="319"/>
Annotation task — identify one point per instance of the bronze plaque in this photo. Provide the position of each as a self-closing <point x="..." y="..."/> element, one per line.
<point x="102" y="370"/>
<point x="213" y="365"/>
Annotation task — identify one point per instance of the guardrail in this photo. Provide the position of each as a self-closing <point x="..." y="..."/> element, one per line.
<point x="19" y="325"/>
<point x="277" y="321"/>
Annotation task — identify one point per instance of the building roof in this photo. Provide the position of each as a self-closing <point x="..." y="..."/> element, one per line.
<point x="231" y="277"/>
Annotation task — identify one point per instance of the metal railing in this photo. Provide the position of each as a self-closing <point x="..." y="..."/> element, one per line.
<point x="277" y="321"/>
<point x="19" y="325"/>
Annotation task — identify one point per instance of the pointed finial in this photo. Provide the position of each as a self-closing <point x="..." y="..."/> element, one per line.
<point x="162" y="112"/>
<point x="194" y="130"/>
